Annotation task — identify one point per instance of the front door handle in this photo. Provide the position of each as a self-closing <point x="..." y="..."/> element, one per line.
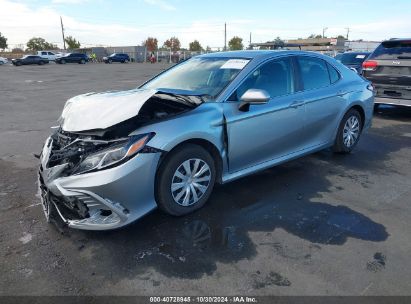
<point x="296" y="104"/>
<point x="341" y="93"/>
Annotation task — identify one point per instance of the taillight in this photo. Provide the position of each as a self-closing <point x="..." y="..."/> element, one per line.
<point x="369" y="65"/>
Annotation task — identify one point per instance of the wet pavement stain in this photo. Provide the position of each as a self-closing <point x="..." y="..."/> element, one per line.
<point x="191" y="246"/>
<point x="273" y="278"/>
<point x="282" y="197"/>
<point x="378" y="263"/>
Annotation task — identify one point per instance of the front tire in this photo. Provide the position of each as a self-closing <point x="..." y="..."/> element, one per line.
<point x="185" y="180"/>
<point x="349" y="132"/>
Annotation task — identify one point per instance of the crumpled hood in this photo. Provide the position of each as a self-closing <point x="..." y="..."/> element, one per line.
<point x="102" y="110"/>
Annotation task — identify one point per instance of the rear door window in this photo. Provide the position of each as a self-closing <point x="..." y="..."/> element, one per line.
<point x="314" y="72"/>
<point x="392" y="50"/>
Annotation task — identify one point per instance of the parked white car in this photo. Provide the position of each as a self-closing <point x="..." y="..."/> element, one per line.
<point x="47" y="55"/>
<point x="3" y="60"/>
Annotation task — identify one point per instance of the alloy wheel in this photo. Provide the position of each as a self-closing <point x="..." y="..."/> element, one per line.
<point x="351" y="131"/>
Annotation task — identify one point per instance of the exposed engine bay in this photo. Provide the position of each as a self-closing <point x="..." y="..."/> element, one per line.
<point x="72" y="148"/>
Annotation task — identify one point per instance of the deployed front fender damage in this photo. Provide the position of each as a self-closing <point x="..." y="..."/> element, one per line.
<point x="95" y="122"/>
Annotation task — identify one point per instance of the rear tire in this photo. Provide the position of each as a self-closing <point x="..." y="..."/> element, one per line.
<point x="190" y="171"/>
<point x="349" y="132"/>
<point x="82" y="61"/>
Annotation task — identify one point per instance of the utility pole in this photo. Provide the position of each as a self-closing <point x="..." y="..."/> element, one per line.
<point x="348" y="31"/>
<point x="62" y="32"/>
<point x="250" y="41"/>
<point x="225" y="36"/>
<point x="324" y="29"/>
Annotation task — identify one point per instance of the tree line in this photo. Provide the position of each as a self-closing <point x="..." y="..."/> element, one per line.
<point x="173" y="44"/>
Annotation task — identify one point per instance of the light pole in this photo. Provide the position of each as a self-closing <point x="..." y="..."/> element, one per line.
<point x="324" y="29"/>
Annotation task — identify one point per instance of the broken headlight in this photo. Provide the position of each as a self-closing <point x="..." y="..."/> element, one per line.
<point x="113" y="155"/>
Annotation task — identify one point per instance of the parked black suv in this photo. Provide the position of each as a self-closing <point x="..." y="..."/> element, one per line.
<point x="123" y="58"/>
<point x="389" y="69"/>
<point x="73" y="58"/>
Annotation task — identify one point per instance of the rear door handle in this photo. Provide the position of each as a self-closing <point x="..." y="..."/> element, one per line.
<point x="296" y="104"/>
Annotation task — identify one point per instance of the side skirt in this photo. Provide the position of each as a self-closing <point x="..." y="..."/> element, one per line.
<point x="228" y="177"/>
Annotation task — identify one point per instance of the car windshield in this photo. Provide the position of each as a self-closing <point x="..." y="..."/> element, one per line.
<point x="201" y="75"/>
<point x="112" y="55"/>
<point x="353" y="58"/>
<point x="393" y="50"/>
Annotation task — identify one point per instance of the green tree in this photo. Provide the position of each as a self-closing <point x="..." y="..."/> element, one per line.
<point x="39" y="44"/>
<point x="341" y="36"/>
<point x="173" y="43"/>
<point x="236" y="43"/>
<point x="3" y="42"/>
<point x="195" y="46"/>
<point x="72" y="43"/>
<point x="151" y="44"/>
<point x="278" y="43"/>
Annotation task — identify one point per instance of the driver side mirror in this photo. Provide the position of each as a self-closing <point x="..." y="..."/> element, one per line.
<point x="253" y="97"/>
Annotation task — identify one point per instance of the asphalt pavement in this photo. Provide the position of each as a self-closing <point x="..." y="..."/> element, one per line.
<point x="324" y="224"/>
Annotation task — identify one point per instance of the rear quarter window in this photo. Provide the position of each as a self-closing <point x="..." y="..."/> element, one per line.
<point x="392" y="50"/>
<point x="334" y="75"/>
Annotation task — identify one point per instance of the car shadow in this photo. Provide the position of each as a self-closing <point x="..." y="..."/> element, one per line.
<point x="285" y="197"/>
<point x="397" y="113"/>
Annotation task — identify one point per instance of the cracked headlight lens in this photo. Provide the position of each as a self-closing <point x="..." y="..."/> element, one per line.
<point x="113" y="155"/>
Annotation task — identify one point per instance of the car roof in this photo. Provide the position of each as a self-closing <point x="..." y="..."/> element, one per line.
<point x="398" y="39"/>
<point x="254" y="54"/>
<point x="355" y="53"/>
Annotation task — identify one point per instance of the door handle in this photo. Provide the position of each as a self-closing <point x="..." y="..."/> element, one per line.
<point x="296" y="104"/>
<point x="341" y="93"/>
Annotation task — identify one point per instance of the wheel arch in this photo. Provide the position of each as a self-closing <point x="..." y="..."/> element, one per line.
<point x="360" y="110"/>
<point x="206" y="145"/>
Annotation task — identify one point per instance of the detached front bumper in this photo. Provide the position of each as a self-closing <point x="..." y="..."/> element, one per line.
<point x="100" y="200"/>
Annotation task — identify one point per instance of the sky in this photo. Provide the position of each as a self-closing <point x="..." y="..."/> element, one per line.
<point x="129" y="22"/>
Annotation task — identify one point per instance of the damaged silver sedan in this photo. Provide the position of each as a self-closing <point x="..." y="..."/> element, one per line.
<point x="118" y="155"/>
